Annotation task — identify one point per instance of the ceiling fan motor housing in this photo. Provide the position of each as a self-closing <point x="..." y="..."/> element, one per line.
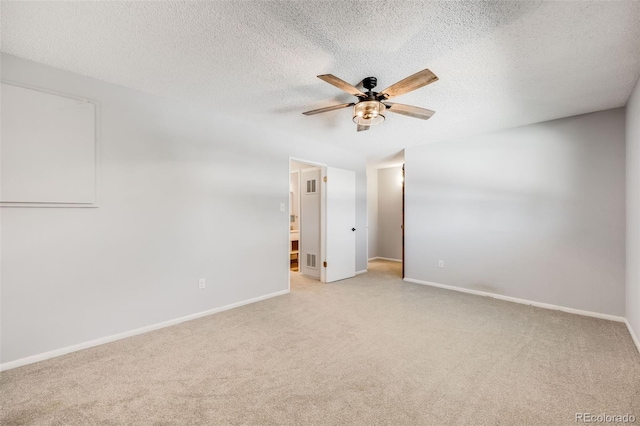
<point x="369" y="83"/>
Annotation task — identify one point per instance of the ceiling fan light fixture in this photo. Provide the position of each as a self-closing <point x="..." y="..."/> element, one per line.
<point x="369" y="109"/>
<point x="368" y="113"/>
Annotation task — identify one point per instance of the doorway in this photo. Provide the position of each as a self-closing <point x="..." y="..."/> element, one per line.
<point x="305" y="222"/>
<point x="322" y="218"/>
<point x="386" y="217"/>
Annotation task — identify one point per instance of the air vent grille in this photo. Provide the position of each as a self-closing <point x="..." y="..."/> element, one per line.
<point x="311" y="260"/>
<point x="311" y="186"/>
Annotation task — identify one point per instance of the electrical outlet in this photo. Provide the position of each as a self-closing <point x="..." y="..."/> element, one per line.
<point x="201" y="283"/>
<point x="441" y="263"/>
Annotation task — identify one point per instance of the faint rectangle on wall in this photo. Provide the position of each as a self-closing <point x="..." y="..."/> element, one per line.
<point x="49" y="149"/>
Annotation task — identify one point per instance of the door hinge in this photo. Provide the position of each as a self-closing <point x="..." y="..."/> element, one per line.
<point x="324" y="264"/>
<point x="325" y="179"/>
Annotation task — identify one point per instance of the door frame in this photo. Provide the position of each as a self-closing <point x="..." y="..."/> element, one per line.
<point x="402" y="226"/>
<point x="323" y="217"/>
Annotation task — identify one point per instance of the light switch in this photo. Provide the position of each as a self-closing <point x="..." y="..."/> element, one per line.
<point x="281" y="207"/>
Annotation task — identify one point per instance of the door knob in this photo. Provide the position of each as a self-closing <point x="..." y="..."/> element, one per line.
<point x="353" y="229"/>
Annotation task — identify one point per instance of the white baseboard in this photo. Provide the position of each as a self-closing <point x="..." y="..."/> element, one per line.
<point x="91" y="343"/>
<point x="633" y="335"/>
<point x="386" y="258"/>
<point x="361" y="272"/>
<point x="521" y="301"/>
<point x="372" y="258"/>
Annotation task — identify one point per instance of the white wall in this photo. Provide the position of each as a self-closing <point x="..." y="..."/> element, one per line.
<point x="296" y="165"/>
<point x="633" y="210"/>
<point x="361" y="211"/>
<point x="372" y="211"/>
<point x="294" y="200"/>
<point x="186" y="194"/>
<point x="390" y="212"/>
<point x="536" y="212"/>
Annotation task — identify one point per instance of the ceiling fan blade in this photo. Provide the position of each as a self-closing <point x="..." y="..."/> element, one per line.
<point x="342" y="85"/>
<point x="329" y="108"/>
<point x="411" y="111"/>
<point x="361" y="128"/>
<point x="413" y="82"/>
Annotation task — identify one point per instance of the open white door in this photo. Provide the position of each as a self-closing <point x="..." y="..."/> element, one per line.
<point x="340" y="224"/>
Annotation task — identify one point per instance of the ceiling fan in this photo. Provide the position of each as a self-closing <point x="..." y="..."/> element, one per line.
<point x="371" y="106"/>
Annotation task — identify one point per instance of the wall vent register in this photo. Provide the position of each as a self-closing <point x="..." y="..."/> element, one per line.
<point x="311" y="186"/>
<point x="311" y="260"/>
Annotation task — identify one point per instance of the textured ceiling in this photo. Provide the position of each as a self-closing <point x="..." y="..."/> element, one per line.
<point x="501" y="64"/>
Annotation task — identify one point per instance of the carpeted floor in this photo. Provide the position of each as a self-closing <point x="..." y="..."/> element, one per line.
<point x="369" y="350"/>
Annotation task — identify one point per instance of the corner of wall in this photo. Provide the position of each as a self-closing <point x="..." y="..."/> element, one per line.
<point x="632" y="285"/>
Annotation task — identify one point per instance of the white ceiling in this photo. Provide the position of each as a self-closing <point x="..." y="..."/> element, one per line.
<point x="501" y="64"/>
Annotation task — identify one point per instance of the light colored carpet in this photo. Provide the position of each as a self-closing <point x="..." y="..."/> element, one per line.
<point x="370" y="350"/>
